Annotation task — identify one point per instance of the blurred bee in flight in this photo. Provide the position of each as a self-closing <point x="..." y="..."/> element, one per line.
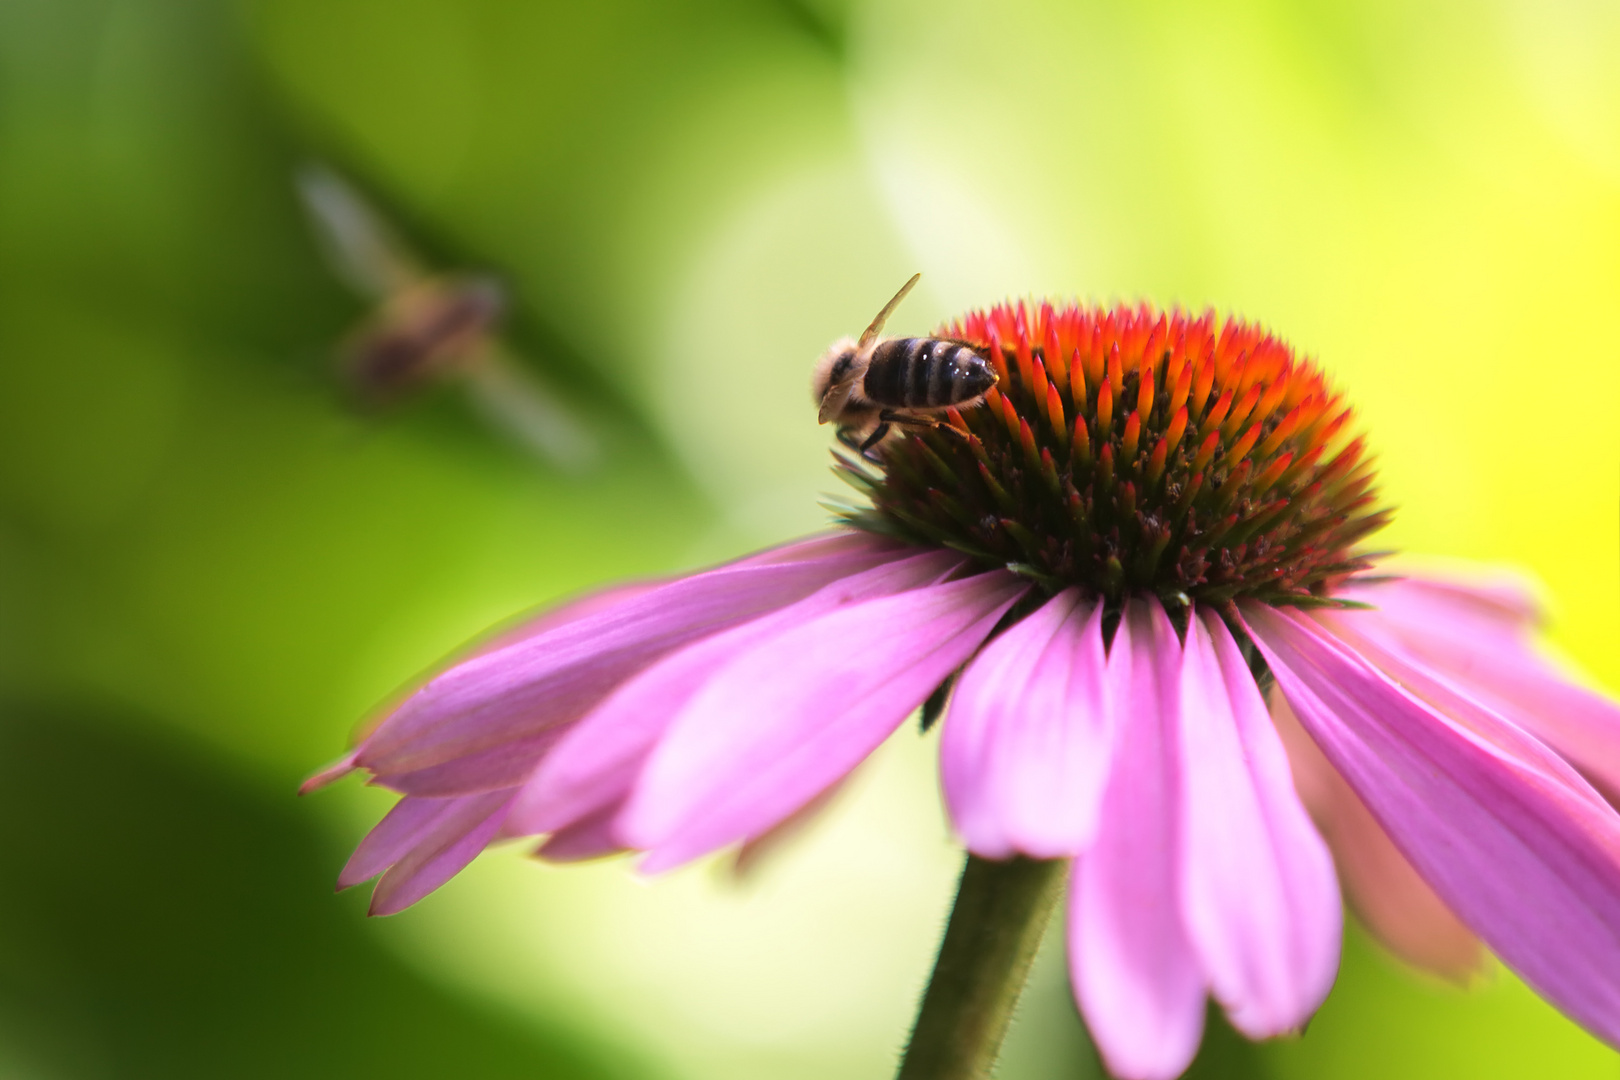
<point x="867" y="386"/>
<point x="429" y="328"/>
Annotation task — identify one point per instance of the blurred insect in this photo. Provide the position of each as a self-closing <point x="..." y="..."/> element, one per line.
<point x="868" y="385"/>
<point x="430" y="328"/>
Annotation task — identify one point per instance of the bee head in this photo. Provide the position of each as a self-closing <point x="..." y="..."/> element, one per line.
<point x="834" y="376"/>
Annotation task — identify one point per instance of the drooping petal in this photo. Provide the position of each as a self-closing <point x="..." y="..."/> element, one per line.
<point x="1026" y="744"/>
<point x="391" y="838"/>
<point x="504" y="766"/>
<point x="1135" y="973"/>
<point x="441" y="850"/>
<point x="539" y="683"/>
<point x="1529" y="861"/>
<point x="1259" y="895"/>
<point x="1476" y="644"/>
<point x="785" y="720"/>
<point x="1501" y="604"/>
<point x="590" y="837"/>
<point x="599" y="758"/>
<point x="1391" y="898"/>
<point x="1457" y="703"/>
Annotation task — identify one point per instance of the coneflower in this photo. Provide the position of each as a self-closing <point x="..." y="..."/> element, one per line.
<point x="1096" y="578"/>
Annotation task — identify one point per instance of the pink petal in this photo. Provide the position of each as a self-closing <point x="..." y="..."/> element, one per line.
<point x="1258" y="892"/>
<point x="440" y="851"/>
<point x="1457" y="703"/>
<point x="1135" y="973"/>
<point x="589" y="838"/>
<point x="788" y="718"/>
<point x="1528" y="860"/>
<point x="600" y="757"/>
<point x="329" y="774"/>
<point x="504" y="766"/>
<point x="1024" y="753"/>
<point x="524" y="627"/>
<point x="391" y="838"/>
<point x="1396" y="905"/>
<point x="537" y="684"/>
<point x="1500" y="603"/>
<point x="1500" y="665"/>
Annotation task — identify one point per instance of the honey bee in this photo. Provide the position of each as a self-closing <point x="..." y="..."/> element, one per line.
<point x="428" y="328"/>
<point x="866" y="386"/>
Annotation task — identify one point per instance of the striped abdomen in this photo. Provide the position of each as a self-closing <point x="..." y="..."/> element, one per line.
<point x="925" y="373"/>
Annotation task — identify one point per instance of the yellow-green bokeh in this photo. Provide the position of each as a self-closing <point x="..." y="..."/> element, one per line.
<point x="203" y="552"/>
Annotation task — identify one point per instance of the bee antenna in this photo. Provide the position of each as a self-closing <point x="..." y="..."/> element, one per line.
<point x="883" y="316"/>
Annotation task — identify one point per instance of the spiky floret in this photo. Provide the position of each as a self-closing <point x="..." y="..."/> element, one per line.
<point x="1132" y="452"/>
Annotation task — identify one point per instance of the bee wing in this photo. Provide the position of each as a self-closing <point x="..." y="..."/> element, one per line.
<point x="876" y="328"/>
<point x="363" y="250"/>
<point x="832" y="402"/>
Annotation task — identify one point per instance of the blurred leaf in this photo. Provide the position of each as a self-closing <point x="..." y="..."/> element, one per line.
<point x="161" y="917"/>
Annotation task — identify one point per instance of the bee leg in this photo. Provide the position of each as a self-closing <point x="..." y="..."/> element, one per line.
<point x="876" y="437"/>
<point x="889" y="416"/>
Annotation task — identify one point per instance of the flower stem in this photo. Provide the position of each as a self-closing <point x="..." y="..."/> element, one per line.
<point x="996" y="925"/>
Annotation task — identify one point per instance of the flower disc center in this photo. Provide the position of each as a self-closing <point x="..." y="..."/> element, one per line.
<point x="1132" y="452"/>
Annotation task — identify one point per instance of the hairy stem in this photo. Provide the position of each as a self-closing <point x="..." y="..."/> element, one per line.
<point x="996" y="925"/>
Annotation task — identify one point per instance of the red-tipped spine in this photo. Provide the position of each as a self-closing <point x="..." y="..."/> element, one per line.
<point x="1133" y="432"/>
<point x="1241" y="448"/>
<point x="998" y="356"/>
<point x="1180" y="388"/>
<point x="1240" y="412"/>
<point x="1026" y="439"/>
<point x="1056" y="359"/>
<point x="1178" y="428"/>
<point x="1206" y="452"/>
<point x="1272" y="474"/>
<point x="1105" y="468"/>
<point x="1054" y="411"/>
<point x="1095" y="353"/>
<point x="1023" y="355"/>
<point x="1203" y="382"/>
<point x="1212" y="422"/>
<point x="1080" y="449"/>
<point x="1155" y="468"/>
<point x="1281" y="433"/>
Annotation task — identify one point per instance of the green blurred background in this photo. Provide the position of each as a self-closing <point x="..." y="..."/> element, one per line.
<point x="211" y="566"/>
